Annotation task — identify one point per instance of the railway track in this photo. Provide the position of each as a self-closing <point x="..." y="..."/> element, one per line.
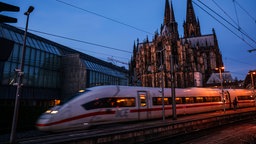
<point x="105" y="130"/>
<point x="239" y="132"/>
<point x="35" y="136"/>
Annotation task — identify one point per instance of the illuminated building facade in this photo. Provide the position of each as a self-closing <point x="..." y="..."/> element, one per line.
<point x="195" y="56"/>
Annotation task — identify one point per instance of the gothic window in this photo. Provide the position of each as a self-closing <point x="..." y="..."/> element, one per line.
<point x="191" y="30"/>
<point x="165" y="31"/>
<point x="213" y="59"/>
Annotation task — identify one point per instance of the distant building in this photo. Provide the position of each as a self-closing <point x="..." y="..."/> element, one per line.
<point x="195" y="56"/>
<point x="215" y="80"/>
<point x="250" y="80"/>
<point x="51" y="71"/>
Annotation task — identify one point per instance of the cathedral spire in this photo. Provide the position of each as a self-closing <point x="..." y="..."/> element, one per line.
<point x="168" y="13"/>
<point x="170" y="27"/>
<point x="172" y="18"/>
<point x="190" y="17"/>
<point x="191" y="25"/>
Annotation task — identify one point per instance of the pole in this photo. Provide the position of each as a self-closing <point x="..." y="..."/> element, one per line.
<point x="222" y="94"/>
<point x="162" y="84"/>
<point x="252" y="80"/>
<point x="174" y="116"/>
<point x="19" y="81"/>
<point x="162" y="71"/>
<point x="253" y="93"/>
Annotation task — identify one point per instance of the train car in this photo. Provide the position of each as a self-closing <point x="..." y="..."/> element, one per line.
<point x="245" y="98"/>
<point x="111" y="104"/>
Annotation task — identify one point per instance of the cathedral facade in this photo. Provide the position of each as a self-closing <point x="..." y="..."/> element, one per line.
<point x="168" y="59"/>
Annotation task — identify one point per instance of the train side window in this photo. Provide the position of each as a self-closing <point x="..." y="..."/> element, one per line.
<point x="125" y="102"/>
<point x="158" y="101"/>
<point x="189" y="100"/>
<point x="216" y="99"/>
<point x="90" y="105"/>
<point x="212" y="99"/>
<point x="245" y="98"/>
<point x="109" y="103"/>
<point x="178" y="100"/>
<point x="168" y="101"/>
<point x="199" y="99"/>
<point x="98" y="103"/>
<point x="143" y="100"/>
<point x="208" y="99"/>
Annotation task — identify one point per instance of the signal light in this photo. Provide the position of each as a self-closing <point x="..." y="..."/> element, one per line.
<point x="8" y="7"/>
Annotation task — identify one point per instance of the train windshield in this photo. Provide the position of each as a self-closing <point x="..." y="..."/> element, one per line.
<point x="67" y="99"/>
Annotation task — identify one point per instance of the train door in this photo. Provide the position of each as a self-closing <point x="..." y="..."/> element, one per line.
<point x="143" y="105"/>
<point x="228" y="102"/>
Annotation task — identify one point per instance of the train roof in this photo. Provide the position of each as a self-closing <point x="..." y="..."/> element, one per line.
<point x="131" y="91"/>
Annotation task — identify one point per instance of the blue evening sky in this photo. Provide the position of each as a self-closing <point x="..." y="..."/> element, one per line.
<point x="89" y="21"/>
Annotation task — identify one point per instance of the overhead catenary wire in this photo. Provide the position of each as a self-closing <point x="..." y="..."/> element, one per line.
<point x="105" y="17"/>
<point x="239" y="29"/>
<point x="224" y="24"/>
<point x="236" y="14"/>
<point x="239" y="61"/>
<point x="81" y="41"/>
<point x="254" y="20"/>
<point x="122" y="23"/>
<point x="237" y="23"/>
<point x="91" y="42"/>
<point x="105" y="54"/>
<point x="224" y="12"/>
<point x="237" y="19"/>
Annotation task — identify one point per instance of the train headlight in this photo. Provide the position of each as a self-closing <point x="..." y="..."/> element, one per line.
<point x="54" y="112"/>
<point x="51" y="111"/>
<point x="48" y="111"/>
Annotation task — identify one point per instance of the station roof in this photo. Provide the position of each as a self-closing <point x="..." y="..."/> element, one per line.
<point x="16" y="35"/>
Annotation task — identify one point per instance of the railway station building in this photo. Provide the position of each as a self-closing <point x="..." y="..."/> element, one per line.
<point x="51" y="71"/>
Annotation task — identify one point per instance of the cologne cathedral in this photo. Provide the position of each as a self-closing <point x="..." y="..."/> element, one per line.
<point x="186" y="61"/>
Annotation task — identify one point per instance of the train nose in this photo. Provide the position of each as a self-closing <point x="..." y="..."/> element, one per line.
<point x="43" y="123"/>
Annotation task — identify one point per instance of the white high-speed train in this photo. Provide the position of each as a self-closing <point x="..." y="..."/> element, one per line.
<point x="111" y="104"/>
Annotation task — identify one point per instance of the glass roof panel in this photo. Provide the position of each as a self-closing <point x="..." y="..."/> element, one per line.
<point x="14" y="37"/>
<point x="7" y="34"/>
<point x="102" y="69"/>
<point x="20" y="38"/>
<point x="30" y="43"/>
<point x="56" y="50"/>
<point x="35" y="43"/>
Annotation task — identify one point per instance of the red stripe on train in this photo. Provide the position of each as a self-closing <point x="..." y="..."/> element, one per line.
<point x="76" y="118"/>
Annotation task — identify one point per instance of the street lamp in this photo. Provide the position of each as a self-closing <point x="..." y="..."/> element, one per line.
<point x="221" y="85"/>
<point x="19" y="80"/>
<point x="252" y="80"/>
<point x="162" y="91"/>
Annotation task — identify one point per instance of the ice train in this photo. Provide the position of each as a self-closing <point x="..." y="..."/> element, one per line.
<point x="111" y="104"/>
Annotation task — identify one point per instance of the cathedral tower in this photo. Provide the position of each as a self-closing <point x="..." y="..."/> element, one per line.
<point x="191" y="25"/>
<point x="194" y="56"/>
<point x="170" y="26"/>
